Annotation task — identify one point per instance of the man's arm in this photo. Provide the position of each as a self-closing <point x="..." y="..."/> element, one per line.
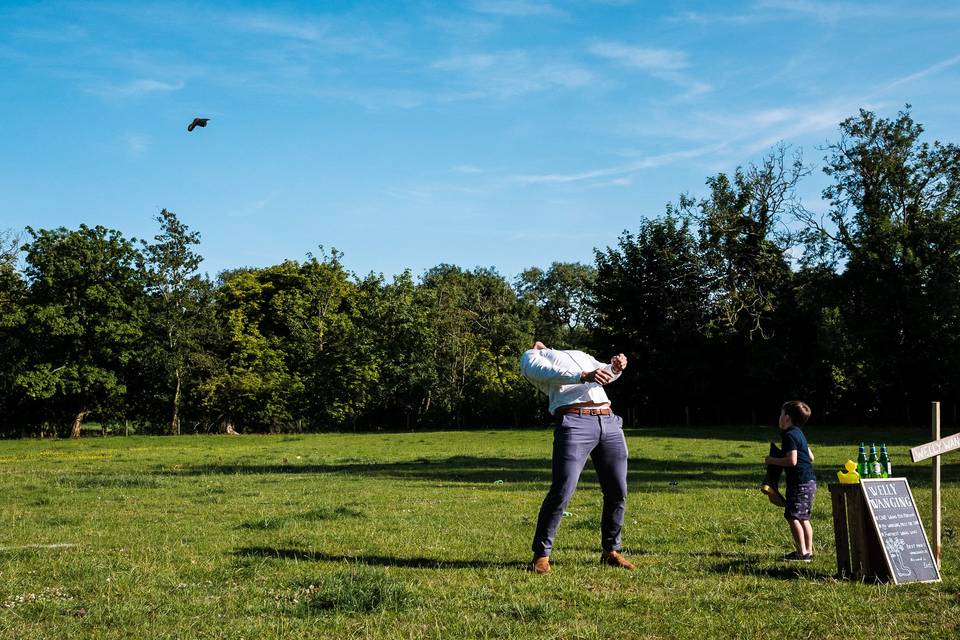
<point x="536" y="368"/>
<point x="540" y="370"/>
<point x="616" y="366"/>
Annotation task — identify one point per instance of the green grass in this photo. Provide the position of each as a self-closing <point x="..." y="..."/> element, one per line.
<point x="424" y="535"/>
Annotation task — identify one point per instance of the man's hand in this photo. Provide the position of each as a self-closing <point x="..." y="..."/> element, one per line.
<point x="618" y="362"/>
<point x="600" y="376"/>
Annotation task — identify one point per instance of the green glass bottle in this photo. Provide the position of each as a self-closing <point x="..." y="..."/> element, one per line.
<point x="872" y="463"/>
<point x="862" y="462"/>
<point x="886" y="469"/>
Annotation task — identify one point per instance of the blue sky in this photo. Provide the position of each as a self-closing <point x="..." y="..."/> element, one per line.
<point x="505" y="133"/>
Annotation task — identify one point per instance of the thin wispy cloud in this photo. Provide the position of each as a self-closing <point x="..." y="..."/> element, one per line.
<point x="464" y="28"/>
<point x="784" y="124"/>
<point x="692" y="88"/>
<point x="510" y="74"/>
<point x="830" y="11"/>
<point x="279" y="25"/>
<point x="135" y="88"/>
<point x="61" y="34"/>
<point x="251" y="208"/>
<point x="751" y="131"/>
<point x="409" y="193"/>
<point x="517" y="8"/>
<point x="472" y="63"/>
<point x="618" y="170"/>
<point x="707" y="19"/>
<point x="625" y="181"/>
<point x="736" y="135"/>
<point x="666" y="64"/>
<point x="311" y="35"/>
<point x="646" y="59"/>
<point x="741" y="133"/>
<point x="136" y="144"/>
<point x="434" y="190"/>
<point x="370" y="98"/>
<point x="799" y="122"/>
<point x="923" y="73"/>
<point x="819" y="11"/>
<point x="467" y="168"/>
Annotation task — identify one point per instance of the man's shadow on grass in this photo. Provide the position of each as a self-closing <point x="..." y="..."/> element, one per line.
<point x="514" y="473"/>
<point x="373" y="560"/>
<point x="504" y="474"/>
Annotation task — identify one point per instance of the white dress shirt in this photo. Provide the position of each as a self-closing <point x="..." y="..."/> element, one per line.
<point x="556" y="373"/>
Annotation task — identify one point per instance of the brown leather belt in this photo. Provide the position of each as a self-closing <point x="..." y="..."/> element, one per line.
<point x="584" y="411"/>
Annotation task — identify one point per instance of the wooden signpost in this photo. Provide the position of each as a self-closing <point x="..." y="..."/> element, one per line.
<point x="933" y="450"/>
<point x="896" y="521"/>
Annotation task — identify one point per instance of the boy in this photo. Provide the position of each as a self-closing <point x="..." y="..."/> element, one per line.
<point x="797" y="460"/>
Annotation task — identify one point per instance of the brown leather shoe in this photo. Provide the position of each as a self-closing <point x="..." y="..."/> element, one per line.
<point x="540" y="565"/>
<point x="614" y="559"/>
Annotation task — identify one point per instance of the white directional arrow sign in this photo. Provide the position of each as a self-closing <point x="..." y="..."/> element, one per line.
<point x="935" y="448"/>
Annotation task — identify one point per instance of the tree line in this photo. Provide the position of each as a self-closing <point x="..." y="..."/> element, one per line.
<point x="726" y="304"/>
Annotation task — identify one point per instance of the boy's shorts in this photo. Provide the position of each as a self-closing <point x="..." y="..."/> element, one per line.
<point x="800" y="500"/>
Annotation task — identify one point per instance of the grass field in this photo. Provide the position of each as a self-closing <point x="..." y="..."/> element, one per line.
<point x="424" y="535"/>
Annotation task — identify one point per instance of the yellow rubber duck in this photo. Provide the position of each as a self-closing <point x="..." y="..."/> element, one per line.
<point x="851" y="476"/>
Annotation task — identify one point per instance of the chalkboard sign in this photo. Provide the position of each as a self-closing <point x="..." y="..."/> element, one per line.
<point x="904" y="543"/>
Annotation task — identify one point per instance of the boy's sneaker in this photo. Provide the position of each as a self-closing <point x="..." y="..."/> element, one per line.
<point x="793" y="556"/>
<point x="774" y="495"/>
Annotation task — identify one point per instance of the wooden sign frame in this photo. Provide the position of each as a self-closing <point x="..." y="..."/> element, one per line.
<point x="864" y="482"/>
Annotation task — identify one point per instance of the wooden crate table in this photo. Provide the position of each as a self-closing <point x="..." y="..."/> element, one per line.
<point x="859" y="554"/>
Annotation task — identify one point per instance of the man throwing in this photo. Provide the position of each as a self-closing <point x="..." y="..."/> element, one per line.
<point x="573" y="381"/>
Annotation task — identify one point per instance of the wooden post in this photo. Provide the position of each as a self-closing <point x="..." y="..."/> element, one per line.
<point x="861" y="564"/>
<point x="935" y="521"/>
<point x="840" y="531"/>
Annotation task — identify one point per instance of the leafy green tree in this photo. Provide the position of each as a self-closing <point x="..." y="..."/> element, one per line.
<point x="894" y="228"/>
<point x="328" y="342"/>
<point x="297" y="355"/>
<point x="13" y="292"/>
<point x="743" y="242"/>
<point x="825" y="368"/>
<point x="563" y="295"/>
<point x="403" y="336"/>
<point x="176" y="294"/>
<point x="650" y="292"/>
<point x="254" y="388"/>
<point x="503" y="325"/>
<point x="480" y="329"/>
<point x="83" y="320"/>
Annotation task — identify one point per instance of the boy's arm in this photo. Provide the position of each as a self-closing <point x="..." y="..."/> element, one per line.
<point x="788" y="460"/>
